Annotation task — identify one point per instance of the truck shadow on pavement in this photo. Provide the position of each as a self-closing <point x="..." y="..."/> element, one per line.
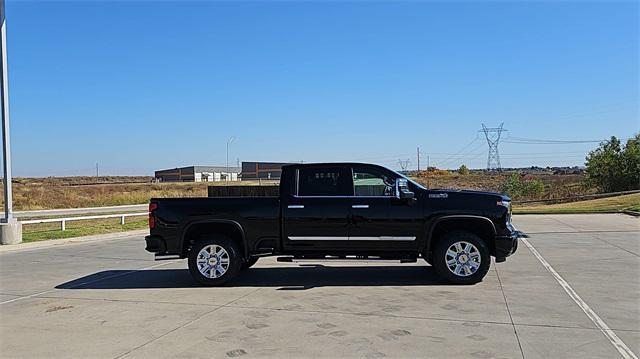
<point x="287" y="278"/>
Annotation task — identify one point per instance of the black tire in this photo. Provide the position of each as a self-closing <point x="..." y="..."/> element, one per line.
<point x="248" y="264"/>
<point x="439" y="258"/>
<point x="233" y="255"/>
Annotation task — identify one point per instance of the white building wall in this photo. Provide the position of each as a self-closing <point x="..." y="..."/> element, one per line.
<point x="215" y="177"/>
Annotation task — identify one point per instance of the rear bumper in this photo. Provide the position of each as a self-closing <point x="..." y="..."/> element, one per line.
<point x="155" y="244"/>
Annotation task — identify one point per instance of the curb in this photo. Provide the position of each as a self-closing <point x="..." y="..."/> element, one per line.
<point x="627" y="212"/>
<point x="567" y="212"/>
<point x="631" y="213"/>
<point x="74" y="240"/>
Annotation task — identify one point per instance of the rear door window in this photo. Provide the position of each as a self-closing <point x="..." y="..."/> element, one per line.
<point x="325" y="181"/>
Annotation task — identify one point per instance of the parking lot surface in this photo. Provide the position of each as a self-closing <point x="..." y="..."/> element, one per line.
<point x="108" y="298"/>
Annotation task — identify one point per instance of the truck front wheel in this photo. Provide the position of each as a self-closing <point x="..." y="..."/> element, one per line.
<point x="214" y="261"/>
<point x="461" y="258"/>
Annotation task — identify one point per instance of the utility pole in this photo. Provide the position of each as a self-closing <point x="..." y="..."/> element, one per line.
<point x="6" y="144"/>
<point x="418" y="159"/>
<point x="428" y="166"/>
<point x="228" y="143"/>
<point x="10" y="229"/>
<point x="97" y="170"/>
<point x="493" y="140"/>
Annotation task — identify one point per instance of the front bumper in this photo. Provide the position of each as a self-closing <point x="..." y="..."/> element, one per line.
<point x="507" y="244"/>
<point x="155" y="244"/>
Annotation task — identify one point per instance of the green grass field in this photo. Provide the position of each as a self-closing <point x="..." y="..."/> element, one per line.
<point x="45" y="231"/>
<point x="601" y="205"/>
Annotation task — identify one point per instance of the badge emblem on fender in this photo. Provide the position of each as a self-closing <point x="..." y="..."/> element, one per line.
<point x="438" y="195"/>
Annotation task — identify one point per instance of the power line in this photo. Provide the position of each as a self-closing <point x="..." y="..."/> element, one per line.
<point x="463" y="156"/>
<point x="448" y="159"/>
<point x="533" y="141"/>
<point x="542" y="153"/>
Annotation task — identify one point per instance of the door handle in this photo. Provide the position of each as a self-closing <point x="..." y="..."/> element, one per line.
<point x="295" y="206"/>
<point x="360" y="206"/>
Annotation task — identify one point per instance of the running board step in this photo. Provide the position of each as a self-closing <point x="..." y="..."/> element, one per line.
<point x="290" y="259"/>
<point x="166" y="258"/>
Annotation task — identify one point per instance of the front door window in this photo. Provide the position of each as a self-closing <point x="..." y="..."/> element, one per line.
<point x="371" y="183"/>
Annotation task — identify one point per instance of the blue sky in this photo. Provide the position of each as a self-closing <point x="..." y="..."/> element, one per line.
<point x="138" y="86"/>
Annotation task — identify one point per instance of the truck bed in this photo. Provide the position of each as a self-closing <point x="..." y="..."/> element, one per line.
<point x="258" y="217"/>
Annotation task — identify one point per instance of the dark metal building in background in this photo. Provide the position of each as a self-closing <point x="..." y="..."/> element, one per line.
<point x="262" y="170"/>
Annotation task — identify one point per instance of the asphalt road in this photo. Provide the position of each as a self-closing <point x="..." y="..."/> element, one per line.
<point x="108" y="298"/>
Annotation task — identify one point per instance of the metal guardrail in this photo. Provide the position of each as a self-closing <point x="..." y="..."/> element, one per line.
<point x="80" y="211"/>
<point x="63" y="221"/>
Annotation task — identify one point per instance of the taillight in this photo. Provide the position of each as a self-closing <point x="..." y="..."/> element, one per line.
<point x="152" y="218"/>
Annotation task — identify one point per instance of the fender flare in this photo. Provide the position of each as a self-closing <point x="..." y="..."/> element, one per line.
<point x="216" y="221"/>
<point x="438" y="220"/>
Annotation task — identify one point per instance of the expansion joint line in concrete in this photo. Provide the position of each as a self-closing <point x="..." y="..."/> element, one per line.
<point x="620" y="346"/>
<point x="185" y="324"/>
<point x="506" y="303"/>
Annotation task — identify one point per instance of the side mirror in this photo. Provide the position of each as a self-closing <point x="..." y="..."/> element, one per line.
<point x="402" y="189"/>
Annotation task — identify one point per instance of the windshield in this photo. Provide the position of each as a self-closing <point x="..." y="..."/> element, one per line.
<point x="409" y="180"/>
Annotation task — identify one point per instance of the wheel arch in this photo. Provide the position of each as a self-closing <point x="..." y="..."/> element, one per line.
<point x="479" y="225"/>
<point x="227" y="227"/>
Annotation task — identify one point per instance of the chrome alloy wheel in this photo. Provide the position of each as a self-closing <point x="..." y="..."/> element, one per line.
<point x="213" y="261"/>
<point x="463" y="259"/>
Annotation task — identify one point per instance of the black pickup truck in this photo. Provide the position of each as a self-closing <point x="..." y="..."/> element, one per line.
<point x="333" y="211"/>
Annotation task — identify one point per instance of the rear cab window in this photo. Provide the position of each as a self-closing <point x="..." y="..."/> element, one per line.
<point x="325" y="181"/>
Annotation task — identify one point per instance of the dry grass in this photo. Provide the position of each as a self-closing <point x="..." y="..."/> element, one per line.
<point x="77" y="192"/>
<point x="31" y="197"/>
<point x="556" y="186"/>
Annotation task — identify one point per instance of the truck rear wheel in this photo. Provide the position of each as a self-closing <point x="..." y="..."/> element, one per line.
<point x="214" y="261"/>
<point x="461" y="257"/>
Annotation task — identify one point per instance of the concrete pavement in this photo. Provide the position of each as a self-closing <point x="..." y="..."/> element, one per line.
<point x="109" y="299"/>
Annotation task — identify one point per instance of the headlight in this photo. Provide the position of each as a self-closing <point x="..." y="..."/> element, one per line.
<point x="504" y="204"/>
<point x="507" y="205"/>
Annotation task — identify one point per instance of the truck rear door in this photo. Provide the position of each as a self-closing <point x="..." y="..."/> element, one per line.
<point x="317" y="215"/>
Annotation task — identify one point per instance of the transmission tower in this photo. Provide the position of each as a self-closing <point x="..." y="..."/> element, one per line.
<point x="404" y="164"/>
<point x="493" y="139"/>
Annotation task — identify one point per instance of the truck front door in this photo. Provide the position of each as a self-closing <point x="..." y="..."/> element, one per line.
<point x="381" y="221"/>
